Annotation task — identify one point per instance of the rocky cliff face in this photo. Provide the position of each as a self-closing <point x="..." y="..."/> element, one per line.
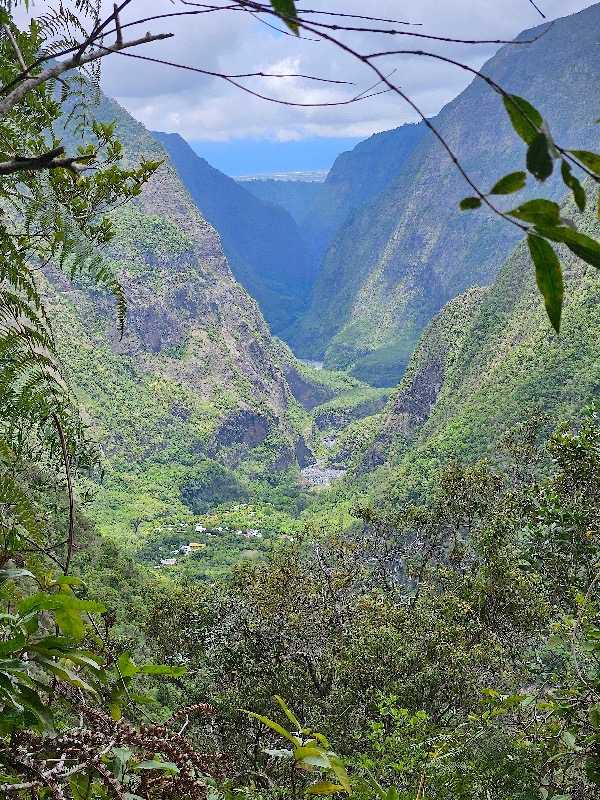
<point x="197" y="374"/>
<point x="488" y="360"/>
<point x="397" y="260"/>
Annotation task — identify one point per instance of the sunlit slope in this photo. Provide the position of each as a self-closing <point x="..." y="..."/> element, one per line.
<point x="490" y="359"/>
<point x="397" y="260"/>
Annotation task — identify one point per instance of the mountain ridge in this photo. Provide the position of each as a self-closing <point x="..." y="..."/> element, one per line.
<point x="395" y="262"/>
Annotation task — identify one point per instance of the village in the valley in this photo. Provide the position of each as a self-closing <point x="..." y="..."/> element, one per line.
<point x="199" y="545"/>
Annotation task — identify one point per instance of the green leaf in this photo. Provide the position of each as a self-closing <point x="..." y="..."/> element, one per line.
<point x="43" y="601"/>
<point x="573" y="183"/>
<point x="323" y="788"/>
<point x="320" y="738"/>
<point x="590" y="160"/>
<point x="80" y="786"/>
<point x="548" y="276"/>
<point x="126" y="667"/>
<point x="161" y="669"/>
<point x="539" y="161"/>
<point x="511" y="183"/>
<point x="340" y="771"/>
<point x="10" y="574"/>
<point x="525" y="119"/>
<point x="469" y="203"/>
<point x="287" y="712"/>
<point x="592" y="769"/>
<point x="537" y="212"/>
<point x="121" y="756"/>
<point x="65" y="674"/>
<point x="274" y="726"/>
<point x="568" y="739"/>
<point x="31" y="700"/>
<point x="595" y="716"/>
<point x="583" y="246"/>
<point x="303" y="752"/>
<point x="70" y="622"/>
<point x="164" y="765"/>
<point x="287" y="9"/>
<point x="12" y="645"/>
<point x="382" y="794"/>
<point x="67" y="580"/>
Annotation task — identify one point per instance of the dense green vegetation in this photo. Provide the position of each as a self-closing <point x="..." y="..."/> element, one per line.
<point x="395" y="262"/>
<point x="181" y="616"/>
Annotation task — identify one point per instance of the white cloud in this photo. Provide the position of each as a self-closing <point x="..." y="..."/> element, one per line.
<point x="201" y="107"/>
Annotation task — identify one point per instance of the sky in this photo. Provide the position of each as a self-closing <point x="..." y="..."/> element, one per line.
<point x="243" y="134"/>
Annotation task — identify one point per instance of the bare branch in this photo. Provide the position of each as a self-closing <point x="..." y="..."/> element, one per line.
<point x="15" y="46"/>
<point x="49" y="160"/>
<point x="76" y="61"/>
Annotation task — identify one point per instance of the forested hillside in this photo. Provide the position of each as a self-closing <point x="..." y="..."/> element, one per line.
<point x="264" y="247"/>
<point x="485" y="363"/>
<point x="228" y="574"/>
<point x="395" y="263"/>
<point x="355" y="178"/>
<point x="295" y="196"/>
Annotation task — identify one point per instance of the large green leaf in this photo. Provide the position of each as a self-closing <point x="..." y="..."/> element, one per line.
<point x="162" y="669"/>
<point x="537" y="212"/>
<point x="287" y="712"/>
<point x="274" y="726"/>
<point x="70" y="622"/>
<point x="65" y="674"/>
<point x="287" y="9"/>
<point x="583" y="246"/>
<point x="548" y="276"/>
<point x="340" y="770"/>
<point x="525" y="119"/>
<point x="324" y="788"/>
<point x="32" y="701"/>
<point x="305" y="751"/>
<point x="12" y="645"/>
<point x="513" y="182"/>
<point x="539" y="161"/>
<point x="573" y="183"/>
<point x="590" y="160"/>
<point x="43" y="601"/>
<point x="121" y="757"/>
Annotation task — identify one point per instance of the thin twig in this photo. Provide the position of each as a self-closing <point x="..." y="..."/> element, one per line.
<point x="15" y="46"/>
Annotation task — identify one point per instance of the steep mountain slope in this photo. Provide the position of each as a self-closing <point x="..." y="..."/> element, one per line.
<point x="194" y="394"/>
<point x="295" y="196"/>
<point x="397" y="260"/>
<point x="486" y="361"/>
<point x="261" y="241"/>
<point x="356" y="177"/>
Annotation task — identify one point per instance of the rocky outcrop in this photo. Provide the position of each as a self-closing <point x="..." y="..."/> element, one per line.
<point x="309" y="394"/>
<point x="413" y="402"/>
<point x="196" y="354"/>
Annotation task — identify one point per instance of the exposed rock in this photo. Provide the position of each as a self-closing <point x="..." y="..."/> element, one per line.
<point x="309" y="394"/>
<point x="243" y="427"/>
<point x="304" y="456"/>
